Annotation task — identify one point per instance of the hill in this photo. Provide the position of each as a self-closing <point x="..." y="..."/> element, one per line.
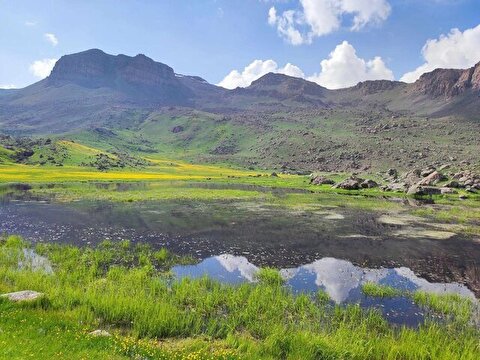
<point x="134" y="105"/>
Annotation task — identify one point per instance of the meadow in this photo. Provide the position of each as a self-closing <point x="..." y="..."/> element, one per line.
<point x="127" y="290"/>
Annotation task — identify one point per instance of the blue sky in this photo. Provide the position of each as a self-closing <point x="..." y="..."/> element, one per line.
<point x="210" y="38"/>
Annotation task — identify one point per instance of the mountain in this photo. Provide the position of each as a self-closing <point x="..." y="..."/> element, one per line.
<point x="140" y="105"/>
<point x="139" y="78"/>
<point x="448" y="83"/>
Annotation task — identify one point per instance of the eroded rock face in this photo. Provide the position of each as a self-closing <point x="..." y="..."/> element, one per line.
<point x="375" y="86"/>
<point x="96" y="69"/>
<point x="26" y="295"/>
<point x="448" y="82"/>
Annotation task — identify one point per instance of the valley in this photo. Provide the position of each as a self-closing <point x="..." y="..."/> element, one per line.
<point x="149" y="214"/>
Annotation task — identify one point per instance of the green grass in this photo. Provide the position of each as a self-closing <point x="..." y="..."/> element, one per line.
<point x="376" y="290"/>
<point x="452" y="305"/>
<point x="126" y="289"/>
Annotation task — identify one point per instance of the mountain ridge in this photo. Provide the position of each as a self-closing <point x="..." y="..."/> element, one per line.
<point x="137" y="105"/>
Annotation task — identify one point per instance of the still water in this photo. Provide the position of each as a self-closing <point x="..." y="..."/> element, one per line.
<point x="335" y="249"/>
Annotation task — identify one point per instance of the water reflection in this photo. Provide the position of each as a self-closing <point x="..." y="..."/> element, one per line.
<point x="268" y="235"/>
<point x="340" y="279"/>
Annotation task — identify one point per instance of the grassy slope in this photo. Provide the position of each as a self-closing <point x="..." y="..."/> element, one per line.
<point x="124" y="289"/>
<point x="329" y="140"/>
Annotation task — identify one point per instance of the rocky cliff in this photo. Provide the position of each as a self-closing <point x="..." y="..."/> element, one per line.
<point x="448" y="82"/>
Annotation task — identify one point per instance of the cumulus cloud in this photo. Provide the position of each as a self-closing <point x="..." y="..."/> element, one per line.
<point x="7" y="86"/>
<point x="344" y="68"/>
<point x="51" y="38"/>
<point x="42" y="68"/>
<point x="455" y="50"/>
<point x="255" y="70"/>
<point x="320" y="17"/>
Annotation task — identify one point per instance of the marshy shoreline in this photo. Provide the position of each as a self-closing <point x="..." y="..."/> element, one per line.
<point x="127" y="291"/>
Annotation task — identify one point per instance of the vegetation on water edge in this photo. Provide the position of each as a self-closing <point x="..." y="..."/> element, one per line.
<point x="126" y="289"/>
<point x="450" y="305"/>
<point x="376" y="290"/>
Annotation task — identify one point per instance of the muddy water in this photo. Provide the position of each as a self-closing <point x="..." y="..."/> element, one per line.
<point x="260" y="232"/>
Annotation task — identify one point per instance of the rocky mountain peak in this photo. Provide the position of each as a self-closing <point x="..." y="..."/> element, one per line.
<point x="286" y="86"/>
<point x="448" y="82"/>
<point x="375" y="86"/>
<point x="94" y="68"/>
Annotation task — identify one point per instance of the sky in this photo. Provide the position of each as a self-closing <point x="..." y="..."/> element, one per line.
<point x="335" y="43"/>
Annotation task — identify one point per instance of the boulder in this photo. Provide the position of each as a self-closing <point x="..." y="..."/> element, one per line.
<point x="368" y="184"/>
<point x="412" y="177"/>
<point x="432" y="179"/>
<point x="25" y="295"/>
<point x="99" y="333"/>
<point x="352" y="183"/>
<point x="448" y="190"/>
<point x="427" y="172"/>
<point x="177" y="129"/>
<point x="321" y="180"/>
<point x="392" y="173"/>
<point x="453" y="184"/>
<point x="397" y="187"/>
<point x="423" y="190"/>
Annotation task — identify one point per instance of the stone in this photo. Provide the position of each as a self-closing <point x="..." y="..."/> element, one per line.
<point x="321" y="180"/>
<point x="411" y="177"/>
<point x="25" y="295"/>
<point x="368" y="184"/>
<point x="448" y="190"/>
<point x="432" y="179"/>
<point x="426" y="172"/>
<point x="453" y="184"/>
<point x="177" y="129"/>
<point x="392" y="173"/>
<point x="423" y="190"/>
<point x="274" y="174"/>
<point x="352" y="183"/>
<point x="99" y="333"/>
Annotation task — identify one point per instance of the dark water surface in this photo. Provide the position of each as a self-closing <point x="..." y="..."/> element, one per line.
<point x="328" y="248"/>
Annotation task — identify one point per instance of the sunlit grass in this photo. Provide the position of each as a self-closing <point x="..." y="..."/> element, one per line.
<point x="377" y="290"/>
<point x="126" y="289"/>
<point x="453" y="305"/>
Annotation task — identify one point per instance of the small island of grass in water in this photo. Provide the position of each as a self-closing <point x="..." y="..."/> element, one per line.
<point x="125" y="290"/>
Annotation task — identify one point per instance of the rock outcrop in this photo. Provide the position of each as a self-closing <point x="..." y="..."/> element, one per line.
<point x="321" y="180"/>
<point x="133" y="75"/>
<point x="448" y="82"/>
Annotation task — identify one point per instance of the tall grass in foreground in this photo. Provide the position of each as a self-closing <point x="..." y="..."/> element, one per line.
<point x="126" y="289"/>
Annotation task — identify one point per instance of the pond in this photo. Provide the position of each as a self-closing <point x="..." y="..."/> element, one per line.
<point x="318" y="246"/>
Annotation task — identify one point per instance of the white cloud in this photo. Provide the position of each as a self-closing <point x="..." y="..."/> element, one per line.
<point x="30" y="23"/>
<point x="7" y="86"/>
<point x="320" y="17"/>
<point x="42" y="68"/>
<point x="456" y="50"/>
<point x="51" y="38"/>
<point x="344" y="68"/>
<point x="255" y="70"/>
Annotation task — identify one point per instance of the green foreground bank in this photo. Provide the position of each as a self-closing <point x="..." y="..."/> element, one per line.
<point x="127" y="290"/>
